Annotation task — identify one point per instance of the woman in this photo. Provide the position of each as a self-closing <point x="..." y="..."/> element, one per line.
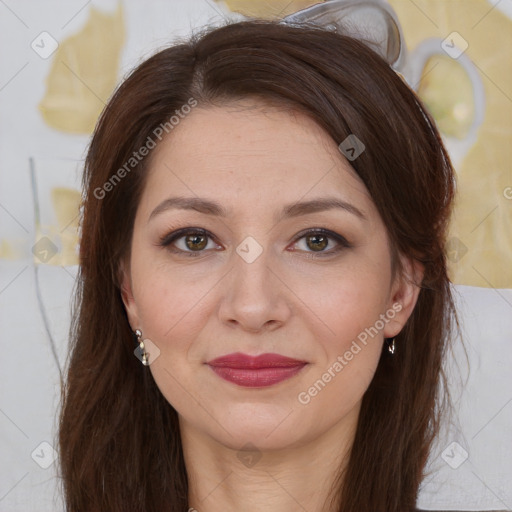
<point x="264" y="218"/>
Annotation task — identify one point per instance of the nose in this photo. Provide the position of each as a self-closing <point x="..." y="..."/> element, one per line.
<point x="253" y="297"/>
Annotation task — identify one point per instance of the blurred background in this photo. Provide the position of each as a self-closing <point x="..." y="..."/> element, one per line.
<point x="60" y="63"/>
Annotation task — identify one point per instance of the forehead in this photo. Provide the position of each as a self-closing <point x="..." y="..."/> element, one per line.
<point x="250" y="150"/>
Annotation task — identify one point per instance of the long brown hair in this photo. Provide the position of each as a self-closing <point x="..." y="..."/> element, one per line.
<point x="120" y="446"/>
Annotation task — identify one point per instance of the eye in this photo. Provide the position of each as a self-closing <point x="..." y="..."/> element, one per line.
<point x="195" y="241"/>
<point x="188" y="241"/>
<point x="317" y="240"/>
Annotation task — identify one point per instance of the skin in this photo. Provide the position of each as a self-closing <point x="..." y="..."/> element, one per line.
<point x="253" y="160"/>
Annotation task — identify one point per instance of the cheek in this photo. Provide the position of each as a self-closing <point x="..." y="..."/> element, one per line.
<point x="347" y="360"/>
<point x="169" y="300"/>
<point x="350" y="309"/>
<point x="333" y="308"/>
<point x="335" y="304"/>
<point x="347" y="300"/>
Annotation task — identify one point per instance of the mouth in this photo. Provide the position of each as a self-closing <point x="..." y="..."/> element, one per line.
<point x="256" y="371"/>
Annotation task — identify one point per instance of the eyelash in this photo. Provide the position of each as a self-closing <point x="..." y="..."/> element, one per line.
<point x="168" y="239"/>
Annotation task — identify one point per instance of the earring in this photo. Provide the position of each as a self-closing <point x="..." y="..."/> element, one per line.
<point x="391" y="346"/>
<point x="144" y="354"/>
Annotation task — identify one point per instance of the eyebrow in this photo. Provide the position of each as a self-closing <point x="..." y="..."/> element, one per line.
<point x="209" y="207"/>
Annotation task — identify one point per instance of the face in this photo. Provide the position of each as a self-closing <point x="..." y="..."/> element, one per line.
<point x="274" y="247"/>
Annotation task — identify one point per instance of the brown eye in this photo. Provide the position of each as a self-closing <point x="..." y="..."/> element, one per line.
<point x="320" y="242"/>
<point x="196" y="242"/>
<point x="189" y="242"/>
<point x="317" y="242"/>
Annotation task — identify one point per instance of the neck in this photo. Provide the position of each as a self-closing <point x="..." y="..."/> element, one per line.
<point x="300" y="477"/>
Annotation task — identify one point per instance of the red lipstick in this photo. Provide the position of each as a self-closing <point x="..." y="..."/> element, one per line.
<point x="255" y="371"/>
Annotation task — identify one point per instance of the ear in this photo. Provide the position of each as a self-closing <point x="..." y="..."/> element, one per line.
<point x="404" y="295"/>
<point x="127" y="295"/>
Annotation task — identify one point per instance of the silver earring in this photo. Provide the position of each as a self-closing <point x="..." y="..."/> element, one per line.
<point x="391" y="346"/>
<point x="144" y="354"/>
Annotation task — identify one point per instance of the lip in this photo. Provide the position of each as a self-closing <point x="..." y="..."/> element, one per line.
<point x="255" y="371"/>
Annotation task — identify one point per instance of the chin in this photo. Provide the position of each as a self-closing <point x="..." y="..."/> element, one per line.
<point x="266" y="426"/>
<point x="258" y="439"/>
